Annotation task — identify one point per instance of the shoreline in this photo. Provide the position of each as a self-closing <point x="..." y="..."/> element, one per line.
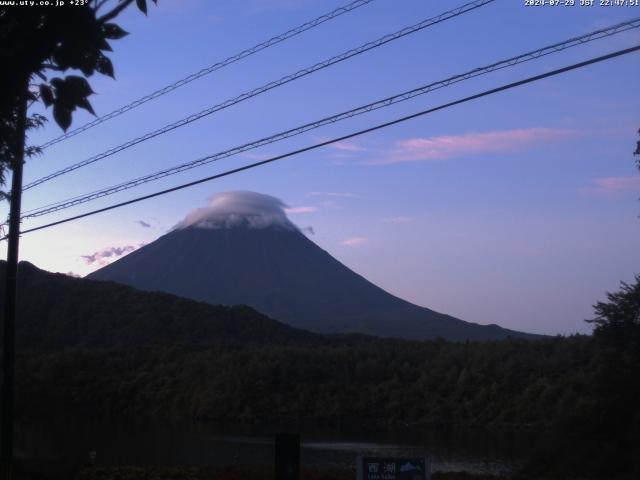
<point x="241" y="473"/>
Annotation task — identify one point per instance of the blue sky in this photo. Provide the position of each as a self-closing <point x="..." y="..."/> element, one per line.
<point x="519" y="209"/>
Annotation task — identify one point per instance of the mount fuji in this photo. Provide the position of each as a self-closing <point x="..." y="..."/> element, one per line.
<point x="242" y="249"/>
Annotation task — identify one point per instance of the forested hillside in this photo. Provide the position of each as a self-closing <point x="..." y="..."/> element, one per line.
<point x="569" y="389"/>
<point x="353" y="380"/>
<point x="57" y="311"/>
<point x="99" y="348"/>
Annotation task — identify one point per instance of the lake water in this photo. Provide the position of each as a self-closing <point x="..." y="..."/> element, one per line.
<point x="117" y="443"/>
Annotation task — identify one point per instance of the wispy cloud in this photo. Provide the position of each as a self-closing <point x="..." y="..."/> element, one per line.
<point x="354" y="242"/>
<point x="343" y="149"/>
<point x="305" y="209"/>
<point x="398" y="219"/>
<point x="452" y="146"/>
<point x="613" y="185"/>
<point x="102" y="257"/>
<point x="332" y="194"/>
<point x="346" y="146"/>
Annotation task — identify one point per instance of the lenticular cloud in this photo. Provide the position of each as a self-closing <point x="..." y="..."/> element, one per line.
<point x="232" y="209"/>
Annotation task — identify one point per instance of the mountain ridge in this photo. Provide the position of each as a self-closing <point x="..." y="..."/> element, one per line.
<point x="56" y="311"/>
<point x="277" y="270"/>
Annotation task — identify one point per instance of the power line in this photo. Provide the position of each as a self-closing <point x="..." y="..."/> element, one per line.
<point x="269" y="86"/>
<point x="345" y="137"/>
<point x="532" y="55"/>
<point x="212" y="68"/>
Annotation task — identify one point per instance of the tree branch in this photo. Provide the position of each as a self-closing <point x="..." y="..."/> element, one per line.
<point x="99" y="4"/>
<point x="115" y="12"/>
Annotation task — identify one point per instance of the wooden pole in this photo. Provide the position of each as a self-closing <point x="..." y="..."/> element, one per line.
<point x="11" y="286"/>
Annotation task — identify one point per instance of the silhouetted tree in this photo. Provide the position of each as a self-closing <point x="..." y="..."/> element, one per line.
<point x="36" y="42"/>
<point x="616" y="383"/>
<point x="37" y="45"/>
<point x="619" y="318"/>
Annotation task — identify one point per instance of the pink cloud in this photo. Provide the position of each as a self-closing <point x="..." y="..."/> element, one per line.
<point x="105" y="256"/>
<point x="354" y="242"/>
<point x="451" y="146"/>
<point x="348" y="147"/>
<point x="613" y="185"/>
<point x="342" y="150"/>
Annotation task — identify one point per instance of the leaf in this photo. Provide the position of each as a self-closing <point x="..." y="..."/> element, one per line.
<point x="113" y="31"/>
<point x="84" y="103"/>
<point x="61" y="59"/>
<point x="32" y="151"/>
<point x="104" y="66"/>
<point x="62" y="116"/>
<point x="70" y="93"/>
<point x="74" y="52"/>
<point x="87" y="67"/>
<point x="77" y="86"/>
<point x="104" y="45"/>
<point x="46" y="94"/>
<point x="142" y="5"/>
<point x="35" y="121"/>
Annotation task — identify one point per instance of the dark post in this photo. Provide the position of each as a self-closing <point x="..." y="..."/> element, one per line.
<point x="287" y="457"/>
<point x="8" y="346"/>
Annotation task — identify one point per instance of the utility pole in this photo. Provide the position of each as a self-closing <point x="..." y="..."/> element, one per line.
<point x="11" y="286"/>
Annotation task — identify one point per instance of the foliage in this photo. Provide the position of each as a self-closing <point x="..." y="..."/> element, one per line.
<point x="618" y="319"/>
<point x="58" y="312"/>
<point x="617" y="380"/>
<point x="40" y="40"/>
<point x="349" y="380"/>
<point x="107" y="349"/>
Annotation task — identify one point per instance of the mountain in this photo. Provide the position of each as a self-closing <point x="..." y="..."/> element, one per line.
<point x="56" y="311"/>
<point x="244" y="250"/>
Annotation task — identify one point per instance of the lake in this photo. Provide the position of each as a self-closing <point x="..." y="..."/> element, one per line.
<point x="180" y="444"/>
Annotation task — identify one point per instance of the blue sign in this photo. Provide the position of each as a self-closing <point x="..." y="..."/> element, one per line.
<point x="379" y="468"/>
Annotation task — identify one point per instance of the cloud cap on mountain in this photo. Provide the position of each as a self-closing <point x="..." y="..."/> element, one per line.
<point x="238" y="208"/>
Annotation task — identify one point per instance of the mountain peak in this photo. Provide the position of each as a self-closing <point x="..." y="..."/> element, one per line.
<point x="242" y="249"/>
<point x="239" y="209"/>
